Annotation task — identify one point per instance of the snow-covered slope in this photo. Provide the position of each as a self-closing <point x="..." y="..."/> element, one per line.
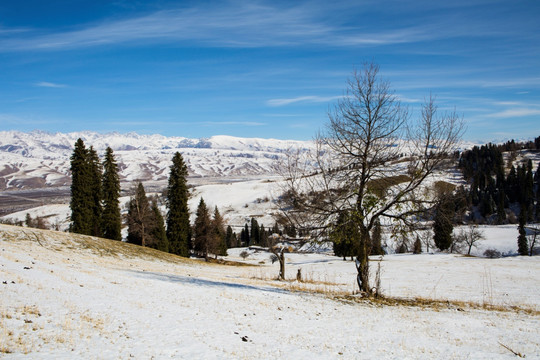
<point x="71" y="296"/>
<point x="39" y="159"/>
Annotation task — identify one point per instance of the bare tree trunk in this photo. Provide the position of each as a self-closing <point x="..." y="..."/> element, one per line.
<point x="281" y="258"/>
<point x="362" y="266"/>
<point x="282" y="266"/>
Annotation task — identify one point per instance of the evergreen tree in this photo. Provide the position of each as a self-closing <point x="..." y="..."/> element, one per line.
<point x="523" y="244"/>
<point x="178" y="227"/>
<point x="244" y="236"/>
<point x="139" y="218"/>
<point x="263" y="236"/>
<point x="275" y="229"/>
<point x="343" y="236"/>
<point x="229" y="237"/>
<point x="537" y="191"/>
<point x="111" y="219"/>
<point x="219" y="234"/>
<point x="442" y="225"/>
<point x="417" y="246"/>
<point x="96" y="191"/>
<point x="81" y="190"/>
<point x="255" y="234"/>
<point x="501" y="214"/>
<point x="157" y="230"/>
<point x="376" y="240"/>
<point x="202" y="231"/>
<point x="28" y="221"/>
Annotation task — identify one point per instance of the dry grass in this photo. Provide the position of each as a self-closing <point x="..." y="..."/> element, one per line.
<point x="436" y="305"/>
<point x="380" y="186"/>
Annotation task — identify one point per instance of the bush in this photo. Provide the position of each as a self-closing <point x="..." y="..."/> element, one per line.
<point x="492" y="254"/>
<point x="244" y="254"/>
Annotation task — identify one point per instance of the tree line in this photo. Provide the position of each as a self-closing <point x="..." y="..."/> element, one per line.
<point x="95" y="210"/>
<point x="95" y="206"/>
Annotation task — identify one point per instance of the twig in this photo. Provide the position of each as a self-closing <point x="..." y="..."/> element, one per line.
<point x="512" y="351"/>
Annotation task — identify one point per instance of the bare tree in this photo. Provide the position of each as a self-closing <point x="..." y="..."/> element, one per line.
<point x="469" y="237"/>
<point x="358" y="164"/>
<point x="533" y="231"/>
<point x="426" y="237"/>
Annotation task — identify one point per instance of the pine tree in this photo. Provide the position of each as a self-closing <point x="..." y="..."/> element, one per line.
<point x="244" y="236"/>
<point x="178" y="227"/>
<point x="111" y="221"/>
<point x="139" y="218"/>
<point x="417" y="246"/>
<point x="229" y="237"/>
<point x="442" y="226"/>
<point x="376" y="240"/>
<point x="523" y="245"/>
<point x="275" y="229"/>
<point x="255" y="235"/>
<point x="264" y="236"/>
<point x="157" y="230"/>
<point x="343" y="236"/>
<point x="219" y="233"/>
<point x="96" y="191"/>
<point x="81" y="191"/>
<point x="202" y="231"/>
<point x="537" y="188"/>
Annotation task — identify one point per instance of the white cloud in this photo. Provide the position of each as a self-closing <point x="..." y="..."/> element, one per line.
<point x="311" y="99"/>
<point x="241" y="25"/>
<point x="242" y="123"/>
<point x="49" y="84"/>
<point x="510" y="113"/>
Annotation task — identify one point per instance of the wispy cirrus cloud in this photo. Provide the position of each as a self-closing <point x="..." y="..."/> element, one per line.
<point x="228" y="25"/>
<point x="49" y="84"/>
<point x="309" y="99"/>
<point x="232" y="123"/>
<point x="518" y="112"/>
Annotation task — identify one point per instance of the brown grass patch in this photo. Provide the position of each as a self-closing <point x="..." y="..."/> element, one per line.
<point x="379" y="186"/>
<point x="437" y="305"/>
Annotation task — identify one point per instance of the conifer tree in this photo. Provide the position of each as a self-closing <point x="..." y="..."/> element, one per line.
<point x="96" y="191"/>
<point x="229" y="237"/>
<point x="139" y="217"/>
<point x="157" y="231"/>
<point x="264" y="236"/>
<point x="376" y="240"/>
<point x="255" y="234"/>
<point x="81" y="203"/>
<point x="111" y="218"/>
<point x="523" y="244"/>
<point x="244" y="236"/>
<point x="219" y="234"/>
<point x="275" y="229"/>
<point x="417" y="246"/>
<point x="178" y="227"/>
<point x="442" y="226"/>
<point x="202" y="231"/>
<point x="537" y="189"/>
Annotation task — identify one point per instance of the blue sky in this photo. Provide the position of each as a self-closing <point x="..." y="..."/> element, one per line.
<point x="266" y="69"/>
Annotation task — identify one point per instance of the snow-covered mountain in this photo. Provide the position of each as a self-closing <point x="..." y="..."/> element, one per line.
<point x="41" y="159"/>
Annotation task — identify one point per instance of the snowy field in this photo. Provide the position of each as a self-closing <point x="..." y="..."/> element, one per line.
<point x="69" y="296"/>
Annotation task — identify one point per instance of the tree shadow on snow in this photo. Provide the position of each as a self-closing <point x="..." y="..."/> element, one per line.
<point x="203" y="282"/>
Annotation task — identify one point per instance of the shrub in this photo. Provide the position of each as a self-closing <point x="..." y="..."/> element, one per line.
<point x="492" y="254"/>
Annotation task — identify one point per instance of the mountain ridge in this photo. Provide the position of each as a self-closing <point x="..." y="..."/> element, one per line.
<point x="41" y="159"/>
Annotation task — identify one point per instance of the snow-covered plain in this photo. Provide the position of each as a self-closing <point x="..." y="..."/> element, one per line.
<point x="71" y="296"/>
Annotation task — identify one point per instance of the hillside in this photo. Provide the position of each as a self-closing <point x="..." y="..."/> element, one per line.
<point x="72" y="296"/>
<point x="39" y="159"/>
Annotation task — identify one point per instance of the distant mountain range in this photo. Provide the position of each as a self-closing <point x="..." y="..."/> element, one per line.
<point x="40" y="159"/>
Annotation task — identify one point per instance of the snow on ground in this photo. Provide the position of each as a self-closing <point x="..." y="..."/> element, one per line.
<point x="71" y="296"/>
<point x="237" y="201"/>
